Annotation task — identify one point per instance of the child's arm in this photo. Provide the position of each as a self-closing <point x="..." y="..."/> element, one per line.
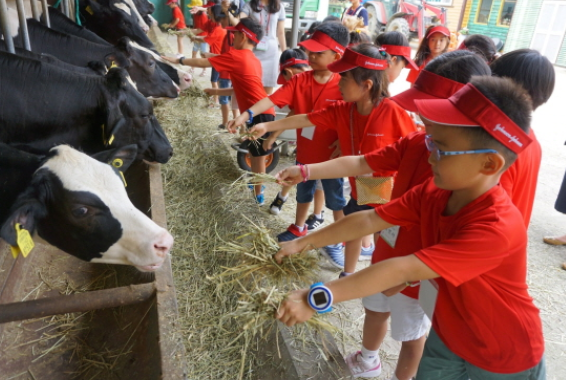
<point x="349" y="166"/>
<point x="293" y="122"/>
<point x="174" y="23"/>
<point x="219" y="91"/>
<point x="261" y="106"/>
<point x="373" y="279"/>
<point x="194" y="62"/>
<point x="351" y="227"/>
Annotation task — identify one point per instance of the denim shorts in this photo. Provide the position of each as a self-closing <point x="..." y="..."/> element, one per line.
<point x="200" y="46"/>
<point x="439" y="363"/>
<point x="333" y="192"/>
<point x="214" y="75"/>
<point x="224" y="83"/>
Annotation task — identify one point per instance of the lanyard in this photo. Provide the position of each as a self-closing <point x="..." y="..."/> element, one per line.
<point x="321" y="91"/>
<point x="352" y="131"/>
<point x="261" y="19"/>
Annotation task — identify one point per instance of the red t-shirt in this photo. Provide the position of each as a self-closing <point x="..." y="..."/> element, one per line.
<point x="178" y="14"/>
<point x="215" y="36"/>
<point x="303" y="94"/>
<point x="199" y="21"/>
<point x="385" y="124"/>
<point x="484" y="313"/>
<point x="520" y="179"/>
<point x="409" y="158"/>
<point x="227" y="43"/>
<point x="413" y="74"/>
<point x="245" y="70"/>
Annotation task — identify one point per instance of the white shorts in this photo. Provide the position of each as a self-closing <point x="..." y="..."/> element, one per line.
<point x="408" y="319"/>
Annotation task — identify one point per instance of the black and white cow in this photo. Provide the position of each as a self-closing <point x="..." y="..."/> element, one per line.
<point x="112" y="19"/>
<point x="78" y="204"/>
<point x="62" y="23"/>
<point x="42" y="106"/>
<point x="142" y="67"/>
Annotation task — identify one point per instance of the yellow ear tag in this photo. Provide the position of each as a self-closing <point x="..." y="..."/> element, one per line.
<point x="25" y="242"/>
<point x="89" y="10"/>
<point x="15" y="251"/>
<point x="118" y="163"/>
<point x="113" y="65"/>
<point x="111" y="140"/>
<point x="123" y="178"/>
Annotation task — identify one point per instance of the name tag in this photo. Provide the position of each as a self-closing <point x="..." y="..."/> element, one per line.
<point x="428" y="292"/>
<point x="390" y="235"/>
<point x="262" y="44"/>
<point x="308" y="132"/>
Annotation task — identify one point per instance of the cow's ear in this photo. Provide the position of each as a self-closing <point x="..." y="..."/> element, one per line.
<point x="124" y="155"/>
<point x="125" y="46"/>
<point x="94" y="6"/>
<point x="27" y="210"/>
<point x="116" y="59"/>
<point x="98" y="67"/>
<point x="117" y="79"/>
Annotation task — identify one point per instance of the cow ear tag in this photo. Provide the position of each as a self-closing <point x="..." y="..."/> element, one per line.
<point x="24" y="241"/>
<point x="111" y="140"/>
<point x="113" y="65"/>
<point x="118" y="163"/>
<point x="89" y="10"/>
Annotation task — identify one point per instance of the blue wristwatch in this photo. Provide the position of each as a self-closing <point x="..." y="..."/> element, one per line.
<point x="251" y="119"/>
<point x="320" y="298"/>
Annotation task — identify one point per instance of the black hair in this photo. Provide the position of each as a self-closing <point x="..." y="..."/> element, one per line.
<point x="458" y="65"/>
<point x="293" y="53"/>
<point x="482" y="45"/>
<point x="393" y="38"/>
<point x="357" y="37"/>
<point x="379" y="78"/>
<point x="424" y="51"/>
<point x="254" y="27"/>
<point x="530" y="69"/>
<point x="331" y="18"/>
<point x="217" y="13"/>
<point x="336" y="31"/>
<point x="272" y="7"/>
<point x="309" y="32"/>
<point x="510" y="98"/>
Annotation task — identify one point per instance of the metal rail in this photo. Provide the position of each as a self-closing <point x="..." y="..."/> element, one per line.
<point x="23" y="24"/>
<point x="76" y="303"/>
<point x="45" y="13"/>
<point x="295" y="24"/>
<point x="34" y="9"/>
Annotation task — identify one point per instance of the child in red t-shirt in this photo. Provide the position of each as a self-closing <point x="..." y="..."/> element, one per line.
<point x="214" y="37"/>
<point x="304" y="93"/>
<point x="245" y="72"/>
<point x="436" y="42"/>
<point x="200" y="19"/>
<point x="409" y="158"/>
<point x="485" y="324"/>
<point x="364" y="121"/>
<point x="177" y="23"/>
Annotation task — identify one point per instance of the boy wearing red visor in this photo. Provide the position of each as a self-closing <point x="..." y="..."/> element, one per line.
<point x="485" y="324"/>
<point x="304" y="93"/>
<point x="245" y="70"/>
<point x="366" y="120"/>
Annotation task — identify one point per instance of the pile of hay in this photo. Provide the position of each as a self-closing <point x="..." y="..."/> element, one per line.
<point x="227" y="288"/>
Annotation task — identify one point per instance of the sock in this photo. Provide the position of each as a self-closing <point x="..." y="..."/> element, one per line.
<point x="318" y="216"/>
<point x="300" y="228"/>
<point x="368" y="355"/>
<point x="282" y="197"/>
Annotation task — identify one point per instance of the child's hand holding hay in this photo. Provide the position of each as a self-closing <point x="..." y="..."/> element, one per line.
<point x="258" y="130"/>
<point x="295" y="309"/>
<point x="290" y="176"/>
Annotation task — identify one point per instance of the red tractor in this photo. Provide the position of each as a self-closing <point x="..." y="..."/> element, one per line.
<point x="408" y="17"/>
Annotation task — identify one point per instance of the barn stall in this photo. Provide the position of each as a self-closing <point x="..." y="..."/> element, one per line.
<point x="64" y="318"/>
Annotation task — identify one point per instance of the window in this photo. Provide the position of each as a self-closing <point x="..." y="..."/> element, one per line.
<point x="506" y="12"/>
<point x="484" y="9"/>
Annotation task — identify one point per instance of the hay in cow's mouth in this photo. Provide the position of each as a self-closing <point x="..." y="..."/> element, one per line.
<point x="217" y="297"/>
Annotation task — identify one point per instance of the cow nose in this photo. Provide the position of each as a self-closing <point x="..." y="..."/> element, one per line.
<point x="188" y="78"/>
<point x="145" y="29"/>
<point x="163" y="244"/>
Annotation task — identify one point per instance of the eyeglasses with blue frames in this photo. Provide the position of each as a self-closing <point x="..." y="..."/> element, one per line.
<point x="433" y="149"/>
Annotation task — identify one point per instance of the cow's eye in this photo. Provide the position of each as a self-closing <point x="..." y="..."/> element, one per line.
<point x="151" y="63"/>
<point x="145" y="116"/>
<point x="80" y="212"/>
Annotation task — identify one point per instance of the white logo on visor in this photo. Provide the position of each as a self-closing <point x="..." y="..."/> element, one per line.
<point x="373" y="64"/>
<point x="512" y="138"/>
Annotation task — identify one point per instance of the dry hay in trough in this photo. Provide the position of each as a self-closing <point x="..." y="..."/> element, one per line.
<point x="221" y="311"/>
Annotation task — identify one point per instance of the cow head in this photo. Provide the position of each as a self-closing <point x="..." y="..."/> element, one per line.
<point x="79" y="204"/>
<point x="130" y="120"/>
<point x="144" y="7"/>
<point x="112" y="23"/>
<point x="150" y="79"/>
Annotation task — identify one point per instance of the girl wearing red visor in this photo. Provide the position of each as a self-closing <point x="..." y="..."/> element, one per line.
<point x="436" y="42"/>
<point x="364" y="121"/>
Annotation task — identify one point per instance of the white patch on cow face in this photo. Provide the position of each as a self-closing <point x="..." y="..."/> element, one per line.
<point x="140" y="235"/>
<point x="124" y="7"/>
<point x="140" y="19"/>
<point x="132" y="82"/>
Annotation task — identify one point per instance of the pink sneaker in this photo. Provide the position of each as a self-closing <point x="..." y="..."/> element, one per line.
<point x="361" y="368"/>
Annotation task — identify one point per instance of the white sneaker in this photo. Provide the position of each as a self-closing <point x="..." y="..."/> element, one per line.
<point x="360" y="368"/>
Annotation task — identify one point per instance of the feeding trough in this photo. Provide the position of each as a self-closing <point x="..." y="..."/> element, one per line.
<point x="62" y="318"/>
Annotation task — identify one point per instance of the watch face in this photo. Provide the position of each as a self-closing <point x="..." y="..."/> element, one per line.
<point x="319" y="298"/>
